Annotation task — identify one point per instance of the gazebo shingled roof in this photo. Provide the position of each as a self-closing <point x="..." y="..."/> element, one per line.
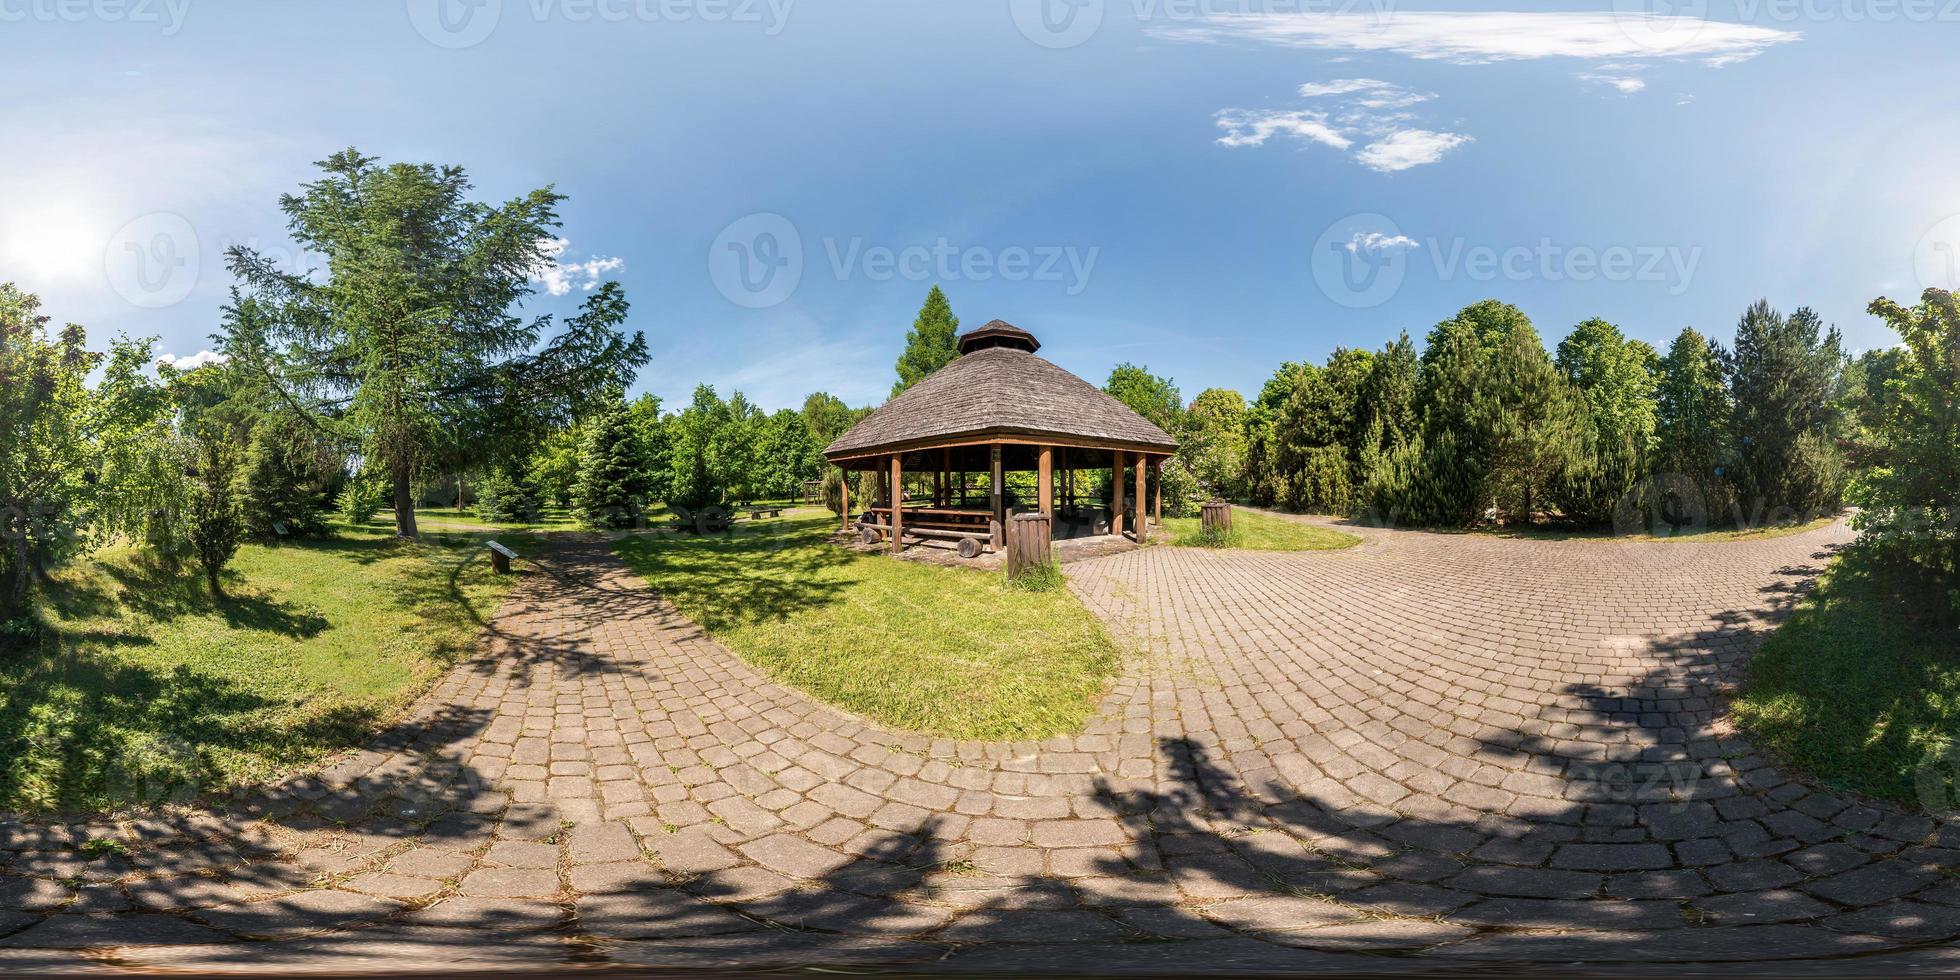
<point x="997" y="387"/>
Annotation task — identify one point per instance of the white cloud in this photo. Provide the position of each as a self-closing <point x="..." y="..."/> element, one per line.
<point x="1343" y="86"/>
<point x="1375" y="241"/>
<point x="1624" y="84"/>
<point x="1407" y="148"/>
<point x="1367" y="109"/>
<point x="191" y="362"/>
<point x="1481" y="37"/>
<point x="559" y="277"/>
<point x="1253" y="127"/>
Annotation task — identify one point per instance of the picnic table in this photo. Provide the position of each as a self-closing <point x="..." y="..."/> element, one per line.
<point x="971" y="529"/>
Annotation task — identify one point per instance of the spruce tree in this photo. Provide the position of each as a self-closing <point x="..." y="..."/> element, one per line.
<point x="611" y="480"/>
<point x="1613" y="379"/>
<point x="216" y="520"/>
<point x="282" y="492"/>
<point x="1782" y="373"/>
<point x="1691" y="426"/>
<point x="932" y="343"/>
<point x="1525" y="421"/>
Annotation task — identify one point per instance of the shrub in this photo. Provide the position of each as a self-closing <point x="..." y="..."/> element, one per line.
<point x="280" y="487"/>
<point x="217" y="520"/>
<point x="505" y="497"/>
<point x="361" y="500"/>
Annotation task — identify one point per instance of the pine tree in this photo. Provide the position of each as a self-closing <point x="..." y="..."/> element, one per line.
<point x="932" y="343"/>
<point x="1782" y="373"/>
<point x="1525" y="421"/>
<point x="1691" y="426"/>
<point x="216" y="520"/>
<point x="505" y="495"/>
<point x="611" y="487"/>
<point x="1614" y="380"/>
<point x="283" y="494"/>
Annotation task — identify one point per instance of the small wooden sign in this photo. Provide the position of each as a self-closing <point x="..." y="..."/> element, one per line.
<point x="500" y="557"/>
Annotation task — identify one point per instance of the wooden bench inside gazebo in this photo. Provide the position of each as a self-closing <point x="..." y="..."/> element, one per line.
<point x="998" y="409"/>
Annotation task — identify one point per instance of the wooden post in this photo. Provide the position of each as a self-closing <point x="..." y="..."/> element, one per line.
<point x="898" y="504"/>
<point x="1045" y="481"/>
<point x="1028" y="539"/>
<point x="1116" y="496"/>
<point x="996" y="502"/>
<point x="885" y="486"/>
<point x="845" y="510"/>
<point x="1143" y="512"/>
<point x="1157" y="496"/>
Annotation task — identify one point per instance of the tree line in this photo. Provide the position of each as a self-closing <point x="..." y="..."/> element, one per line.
<point x="404" y="367"/>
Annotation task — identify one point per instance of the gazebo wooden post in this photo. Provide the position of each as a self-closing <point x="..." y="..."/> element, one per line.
<point x="995" y="500"/>
<point x="1143" y="515"/>
<point x="898" y="503"/>
<point x="945" y="480"/>
<point x="1045" y="481"/>
<point x="1116" y="496"/>
<point x="844" y="510"/>
<point x="1157" y="496"/>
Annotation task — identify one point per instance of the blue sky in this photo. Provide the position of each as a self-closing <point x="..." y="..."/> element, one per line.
<point x="1204" y="188"/>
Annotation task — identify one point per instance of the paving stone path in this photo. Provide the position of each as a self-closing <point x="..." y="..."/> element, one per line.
<point x="1429" y="752"/>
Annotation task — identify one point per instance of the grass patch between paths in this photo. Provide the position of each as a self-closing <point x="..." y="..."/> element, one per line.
<point x="142" y="686"/>
<point x="1261" y="532"/>
<point x="942" y="651"/>
<point x="1862" y="682"/>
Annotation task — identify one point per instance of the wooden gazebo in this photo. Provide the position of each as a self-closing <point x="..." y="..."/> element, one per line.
<point x="995" y="409"/>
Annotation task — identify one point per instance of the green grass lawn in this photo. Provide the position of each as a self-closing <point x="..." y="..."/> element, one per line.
<point x="942" y="651"/>
<point x="553" y="519"/>
<point x="1862" y="682"/>
<point x="142" y="684"/>
<point x="1264" y="532"/>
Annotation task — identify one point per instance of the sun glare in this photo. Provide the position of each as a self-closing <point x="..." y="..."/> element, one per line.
<point x="56" y="241"/>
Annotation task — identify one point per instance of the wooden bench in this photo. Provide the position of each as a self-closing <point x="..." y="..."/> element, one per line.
<point x="756" y="514"/>
<point x="968" y="538"/>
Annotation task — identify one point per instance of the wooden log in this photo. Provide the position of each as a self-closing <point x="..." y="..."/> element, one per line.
<point x="898" y="505"/>
<point x="996" y="504"/>
<point x="1157" y="496"/>
<point x="1029" y="540"/>
<point x="1045" y="481"/>
<point x="1116" y="496"/>
<point x="969" y="547"/>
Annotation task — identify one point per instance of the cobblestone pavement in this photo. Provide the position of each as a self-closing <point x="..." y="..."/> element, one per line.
<point x="1444" y="749"/>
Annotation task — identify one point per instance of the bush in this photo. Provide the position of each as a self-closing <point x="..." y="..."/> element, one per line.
<point x="503" y="497"/>
<point x="361" y="500"/>
<point x="1180" y="488"/>
<point x="281" y="487"/>
<point x="217" y="519"/>
<point x="1321" y="485"/>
